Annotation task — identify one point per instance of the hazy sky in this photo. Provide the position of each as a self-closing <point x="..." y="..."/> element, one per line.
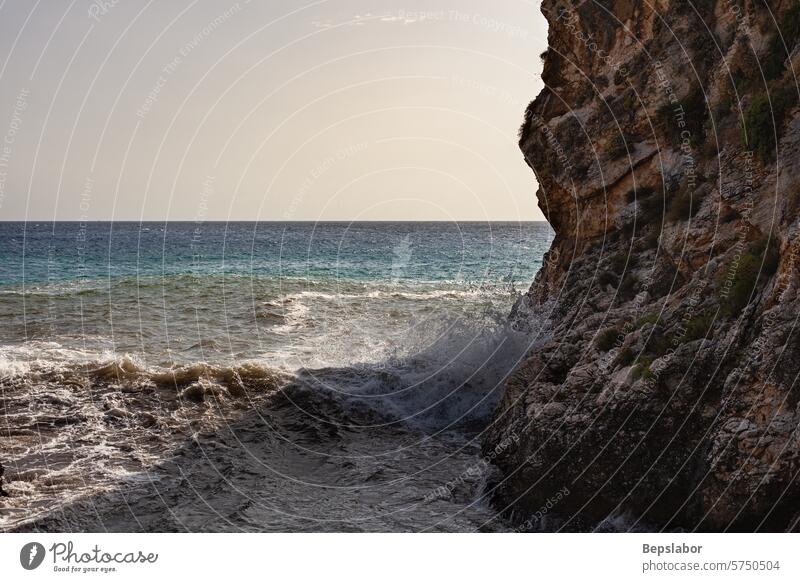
<point x="269" y="110"/>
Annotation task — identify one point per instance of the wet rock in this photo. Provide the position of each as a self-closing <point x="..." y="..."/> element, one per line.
<point x="3" y="492"/>
<point x="204" y="390"/>
<point x="194" y="393"/>
<point x="147" y="419"/>
<point x="117" y="413"/>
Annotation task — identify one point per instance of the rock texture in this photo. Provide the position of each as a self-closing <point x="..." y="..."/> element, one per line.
<point x="2" y="491"/>
<point x="663" y="393"/>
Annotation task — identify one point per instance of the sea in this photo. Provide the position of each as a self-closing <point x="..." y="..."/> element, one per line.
<point x="256" y="376"/>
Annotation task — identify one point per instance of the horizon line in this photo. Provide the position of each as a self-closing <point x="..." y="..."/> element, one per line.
<point x="51" y="221"/>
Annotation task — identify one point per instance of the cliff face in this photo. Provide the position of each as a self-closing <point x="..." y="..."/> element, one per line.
<point x="663" y="392"/>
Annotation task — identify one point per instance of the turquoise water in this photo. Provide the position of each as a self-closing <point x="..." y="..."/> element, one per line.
<point x="467" y="252"/>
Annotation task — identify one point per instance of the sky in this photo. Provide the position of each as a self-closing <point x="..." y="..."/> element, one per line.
<point x="266" y="110"/>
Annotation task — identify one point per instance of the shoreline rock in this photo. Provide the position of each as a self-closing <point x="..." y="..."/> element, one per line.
<point x="667" y="397"/>
<point x="3" y="492"/>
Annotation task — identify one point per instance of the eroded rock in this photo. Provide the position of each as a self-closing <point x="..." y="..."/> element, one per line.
<point x="680" y="236"/>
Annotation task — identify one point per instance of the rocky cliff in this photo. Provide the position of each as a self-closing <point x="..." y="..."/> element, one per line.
<point x="662" y="391"/>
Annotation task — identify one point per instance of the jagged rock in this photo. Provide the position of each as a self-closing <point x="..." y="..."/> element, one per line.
<point x="671" y="231"/>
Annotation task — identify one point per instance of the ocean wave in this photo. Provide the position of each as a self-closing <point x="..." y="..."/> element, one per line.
<point x="452" y="376"/>
<point x="43" y="361"/>
<point x="390" y="293"/>
<point x="132" y="417"/>
<point x="326" y="288"/>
